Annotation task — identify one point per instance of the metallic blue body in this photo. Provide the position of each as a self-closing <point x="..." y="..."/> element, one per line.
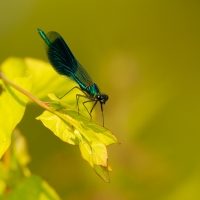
<point x="64" y="62"/>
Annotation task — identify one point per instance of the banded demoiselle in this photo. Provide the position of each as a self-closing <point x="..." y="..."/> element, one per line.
<point x="64" y="63"/>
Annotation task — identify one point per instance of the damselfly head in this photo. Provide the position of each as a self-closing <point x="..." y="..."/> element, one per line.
<point x="102" y="98"/>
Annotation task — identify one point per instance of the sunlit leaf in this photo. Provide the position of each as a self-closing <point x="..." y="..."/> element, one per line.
<point x="99" y="153"/>
<point x="88" y="129"/>
<point x="93" y="130"/>
<point x="12" y="107"/>
<point x="59" y="127"/>
<point x="41" y="74"/>
<point x="46" y="80"/>
<point x="93" y="153"/>
<point x="57" y="104"/>
<point x="61" y="105"/>
<point x="87" y="154"/>
<point x="14" y="67"/>
<point x="70" y="126"/>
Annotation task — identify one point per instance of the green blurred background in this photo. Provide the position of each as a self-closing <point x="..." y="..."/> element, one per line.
<point x="145" y="56"/>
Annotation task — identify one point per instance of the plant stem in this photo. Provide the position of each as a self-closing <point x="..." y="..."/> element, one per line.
<point x="33" y="98"/>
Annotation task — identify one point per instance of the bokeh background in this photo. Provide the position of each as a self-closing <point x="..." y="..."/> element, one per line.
<point x="145" y="56"/>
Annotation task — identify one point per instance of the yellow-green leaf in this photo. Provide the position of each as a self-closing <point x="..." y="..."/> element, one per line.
<point x="59" y="127"/>
<point x="87" y="154"/>
<point x="12" y="107"/>
<point x="92" y="138"/>
<point x="88" y="129"/>
<point x="45" y="80"/>
<point x="14" y="67"/>
<point x="99" y="153"/>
